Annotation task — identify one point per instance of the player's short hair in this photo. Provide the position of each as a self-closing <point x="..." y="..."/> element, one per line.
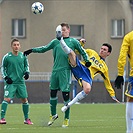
<point x="109" y="46"/>
<point x="65" y="24"/>
<point x="14" y="40"/>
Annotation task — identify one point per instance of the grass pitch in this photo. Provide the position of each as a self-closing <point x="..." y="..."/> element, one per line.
<point x="84" y="118"/>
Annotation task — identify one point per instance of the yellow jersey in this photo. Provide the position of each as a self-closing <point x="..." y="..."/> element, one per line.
<point x="99" y="67"/>
<point x="126" y="50"/>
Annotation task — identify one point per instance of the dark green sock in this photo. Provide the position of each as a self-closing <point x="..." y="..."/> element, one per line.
<point x="25" y="107"/>
<point x="53" y="104"/>
<point x="67" y="112"/>
<point x="3" y="108"/>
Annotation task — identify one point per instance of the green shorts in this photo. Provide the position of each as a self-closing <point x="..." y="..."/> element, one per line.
<point x="12" y="90"/>
<point x="61" y="80"/>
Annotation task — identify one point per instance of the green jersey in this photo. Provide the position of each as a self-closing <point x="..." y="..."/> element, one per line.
<point x="60" y="57"/>
<point x="14" y="67"/>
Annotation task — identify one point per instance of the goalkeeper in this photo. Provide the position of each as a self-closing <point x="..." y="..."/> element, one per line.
<point x="85" y="74"/>
<point x="126" y="50"/>
<point x="61" y="73"/>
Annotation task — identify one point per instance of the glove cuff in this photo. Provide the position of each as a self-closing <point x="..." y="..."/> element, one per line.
<point x="6" y="77"/>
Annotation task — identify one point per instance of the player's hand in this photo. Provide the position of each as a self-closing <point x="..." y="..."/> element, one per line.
<point x="119" y="81"/>
<point x="115" y="99"/>
<point x="26" y="75"/>
<point x="8" y="80"/>
<point x="82" y="40"/>
<point x="88" y="64"/>
<point x="59" y="32"/>
<point x="27" y="52"/>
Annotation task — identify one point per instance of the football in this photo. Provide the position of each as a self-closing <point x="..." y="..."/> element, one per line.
<point x="37" y="8"/>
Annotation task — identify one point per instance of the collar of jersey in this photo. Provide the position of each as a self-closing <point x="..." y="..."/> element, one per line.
<point x="65" y="37"/>
<point x="101" y="58"/>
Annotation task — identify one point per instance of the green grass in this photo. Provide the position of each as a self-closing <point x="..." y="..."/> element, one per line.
<point x="84" y="118"/>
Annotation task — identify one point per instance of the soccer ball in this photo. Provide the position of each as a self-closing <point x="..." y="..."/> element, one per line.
<point x="37" y="8"/>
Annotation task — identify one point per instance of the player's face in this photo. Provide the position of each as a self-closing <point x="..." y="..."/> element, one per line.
<point x="15" y="46"/>
<point x="104" y="52"/>
<point x="65" y="31"/>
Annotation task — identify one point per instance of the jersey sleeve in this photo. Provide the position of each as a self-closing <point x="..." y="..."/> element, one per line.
<point x="123" y="55"/>
<point x="43" y="49"/>
<point x="108" y="85"/>
<point x="81" y="51"/>
<point x="3" y="66"/>
<point x="26" y="65"/>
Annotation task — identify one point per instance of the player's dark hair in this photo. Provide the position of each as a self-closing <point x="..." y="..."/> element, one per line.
<point x="109" y="47"/>
<point x="14" y="40"/>
<point x="65" y="24"/>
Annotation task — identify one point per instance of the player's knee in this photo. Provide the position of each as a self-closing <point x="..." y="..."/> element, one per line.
<point x="87" y="90"/>
<point x="86" y="87"/>
<point x="53" y="93"/>
<point x="66" y="96"/>
<point x="7" y="99"/>
<point x="24" y="100"/>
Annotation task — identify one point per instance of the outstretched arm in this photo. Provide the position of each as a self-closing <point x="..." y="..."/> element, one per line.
<point x="110" y="88"/>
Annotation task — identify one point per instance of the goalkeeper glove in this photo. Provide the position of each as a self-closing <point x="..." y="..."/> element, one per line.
<point x="59" y="32"/>
<point x="119" y="81"/>
<point x="26" y="75"/>
<point x="88" y="64"/>
<point x="8" y="80"/>
<point x="27" y="52"/>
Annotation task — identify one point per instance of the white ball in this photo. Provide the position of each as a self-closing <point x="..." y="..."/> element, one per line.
<point x="11" y="101"/>
<point x="37" y="8"/>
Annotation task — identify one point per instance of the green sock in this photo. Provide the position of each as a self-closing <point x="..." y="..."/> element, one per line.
<point x="53" y="104"/>
<point x="67" y="112"/>
<point x="25" y="107"/>
<point x="3" y="108"/>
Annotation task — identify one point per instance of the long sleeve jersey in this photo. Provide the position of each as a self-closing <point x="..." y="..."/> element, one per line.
<point x="126" y="50"/>
<point x="99" y="67"/>
<point x="14" y="67"/>
<point x="60" y="57"/>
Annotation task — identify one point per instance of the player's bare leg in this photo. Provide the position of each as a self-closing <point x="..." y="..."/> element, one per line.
<point x="86" y="86"/>
<point x="81" y="95"/>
